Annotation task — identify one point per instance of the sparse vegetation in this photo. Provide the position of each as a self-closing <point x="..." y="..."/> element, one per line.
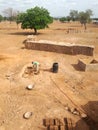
<point x="71" y="93"/>
<point x="84" y="17"/>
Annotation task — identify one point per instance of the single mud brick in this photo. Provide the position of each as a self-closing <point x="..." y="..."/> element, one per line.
<point x="51" y="127"/>
<point x="51" y="121"/>
<point x="46" y="122"/>
<point x="44" y="128"/>
<point x="65" y="121"/>
<point x="57" y="122"/>
<point x="48" y="128"/>
<point x="69" y="121"/>
<point x="70" y="127"/>
<point x="62" y="127"/>
<point x="73" y="123"/>
<point x="61" y="122"/>
<point x="66" y="127"/>
<point x="56" y="127"/>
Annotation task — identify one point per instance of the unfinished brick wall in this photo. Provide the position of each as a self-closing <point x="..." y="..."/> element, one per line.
<point x="87" y="66"/>
<point x="71" y="49"/>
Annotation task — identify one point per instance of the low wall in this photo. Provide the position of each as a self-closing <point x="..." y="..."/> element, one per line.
<point x="87" y="66"/>
<point x="81" y="65"/>
<point x="68" y="48"/>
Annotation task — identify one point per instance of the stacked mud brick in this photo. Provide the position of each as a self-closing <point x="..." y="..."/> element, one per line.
<point x="58" y="124"/>
<point x="65" y="48"/>
<point x="88" y="65"/>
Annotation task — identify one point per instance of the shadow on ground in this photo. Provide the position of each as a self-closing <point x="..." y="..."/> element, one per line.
<point x="91" y="109"/>
<point x="76" y="67"/>
<point x="25" y="33"/>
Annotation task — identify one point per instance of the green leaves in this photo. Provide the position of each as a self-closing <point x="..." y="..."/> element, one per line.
<point x="63" y="19"/>
<point x="74" y="15"/>
<point x="1" y="18"/>
<point x="20" y="17"/>
<point x="35" y="18"/>
<point x="84" y="17"/>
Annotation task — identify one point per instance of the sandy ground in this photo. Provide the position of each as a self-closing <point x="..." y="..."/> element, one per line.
<point x="52" y="92"/>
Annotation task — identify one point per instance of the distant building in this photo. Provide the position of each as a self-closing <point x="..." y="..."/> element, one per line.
<point x="95" y="21"/>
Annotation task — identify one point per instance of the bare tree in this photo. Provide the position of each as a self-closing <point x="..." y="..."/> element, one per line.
<point x="9" y="13"/>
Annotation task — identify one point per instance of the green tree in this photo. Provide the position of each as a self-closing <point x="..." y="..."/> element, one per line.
<point x="1" y="18"/>
<point x="63" y="19"/>
<point x="73" y="15"/>
<point x="35" y="18"/>
<point x="85" y="17"/>
<point x="19" y="18"/>
<point x="89" y="12"/>
<point x="68" y="18"/>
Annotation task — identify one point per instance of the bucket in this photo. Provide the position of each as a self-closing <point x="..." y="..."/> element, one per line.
<point x="55" y="67"/>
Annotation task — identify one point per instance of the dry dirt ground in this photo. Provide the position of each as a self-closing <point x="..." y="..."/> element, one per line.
<point x="52" y="92"/>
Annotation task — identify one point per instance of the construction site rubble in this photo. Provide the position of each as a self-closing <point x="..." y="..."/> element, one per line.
<point x="72" y="110"/>
<point x="58" y="124"/>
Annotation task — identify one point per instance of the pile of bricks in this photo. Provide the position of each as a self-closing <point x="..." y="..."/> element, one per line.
<point x="58" y="124"/>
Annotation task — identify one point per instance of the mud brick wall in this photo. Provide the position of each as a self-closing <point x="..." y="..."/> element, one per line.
<point x="87" y="67"/>
<point x="81" y="65"/>
<point x="70" y="49"/>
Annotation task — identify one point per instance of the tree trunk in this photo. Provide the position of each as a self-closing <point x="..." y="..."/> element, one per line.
<point x="17" y="26"/>
<point x="10" y="21"/>
<point x="35" y="31"/>
<point x="85" y="26"/>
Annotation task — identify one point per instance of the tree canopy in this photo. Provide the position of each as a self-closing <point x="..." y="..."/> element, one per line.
<point x="84" y="17"/>
<point x="1" y="18"/>
<point x="73" y="15"/>
<point x="35" y="18"/>
<point x="65" y="19"/>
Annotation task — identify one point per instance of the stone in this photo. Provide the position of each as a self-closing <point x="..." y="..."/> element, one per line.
<point x="67" y="108"/>
<point x="30" y="86"/>
<point x="83" y="115"/>
<point x="27" y="115"/>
